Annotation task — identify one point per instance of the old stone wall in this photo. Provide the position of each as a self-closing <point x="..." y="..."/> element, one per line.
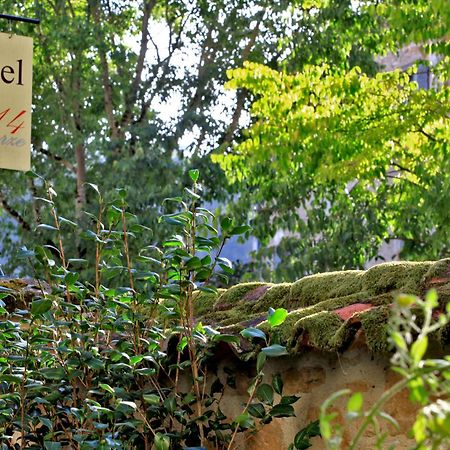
<point x="314" y="376"/>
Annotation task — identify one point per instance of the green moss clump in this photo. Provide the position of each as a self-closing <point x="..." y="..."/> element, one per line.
<point x="444" y="336"/>
<point x="204" y="302"/>
<point x="374" y="323"/>
<point x="321" y="328"/>
<point x="401" y="276"/>
<point x="13" y="283"/>
<point x="234" y="296"/>
<point x="313" y="300"/>
<point x="345" y="335"/>
<point x="317" y="288"/>
<point x="276" y="297"/>
<point x="440" y="270"/>
<point x="437" y="269"/>
<point x="20" y="292"/>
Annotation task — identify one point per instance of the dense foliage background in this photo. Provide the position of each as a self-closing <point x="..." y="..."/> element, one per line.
<point x="131" y="93"/>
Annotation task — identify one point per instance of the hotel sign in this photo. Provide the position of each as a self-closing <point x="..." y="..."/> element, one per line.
<point x="16" y="60"/>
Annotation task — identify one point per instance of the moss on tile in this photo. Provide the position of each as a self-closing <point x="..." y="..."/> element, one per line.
<point x="316" y="288"/>
<point x="277" y="296"/>
<point x="345" y="335"/>
<point x="204" y="302"/>
<point x="444" y="335"/>
<point x="321" y="329"/>
<point x="374" y="323"/>
<point x="438" y="269"/>
<point x="21" y="292"/>
<point x="234" y="296"/>
<point x="286" y="331"/>
<point x="311" y="303"/>
<point x="406" y="277"/>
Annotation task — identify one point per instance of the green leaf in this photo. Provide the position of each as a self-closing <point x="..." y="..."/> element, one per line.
<point x="244" y="420"/>
<point x="146" y="371"/>
<point x="226" y="338"/>
<point x="398" y="340"/>
<point x="107" y="388"/>
<point x="240" y="230"/>
<point x="152" y="399"/>
<point x="275" y="350"/>
<point x="260" y="360"/>
<point x="46" y="421"/>
<point x="162" y="442"/>
<point x="95" y="363"/>
<point x="431" y="299"/>
<point x="418" y="349"/>
<point x="277" y="317"/>
<point x="13" y="379"/>
<point x="264" y="393"/>
<point x="277" y="383"/>
<point x="52" y="445"/>
<point x="126" y="406"/>
<point x="94" y="187"/>
<point x="249" y="333"/>
<point x="170" y="403"/>
<point x="282" y="410"/>
<point x="194" y="174"/>
<point x="63" y="220"/>
<point x="136" y="359"/>
<point x="40" y="306"/>
<point x="257" y="410"/>
<point x="192" y="193"/>
<point x="56" y="373"/>
<point x="302" y="438"/>
<point x="226" y="223"/>
<point x="45" y="226"/>
<point x="71" y="278"/>
<point x="193" y="263"/>
<point x="355" y="403"/>
<point x="208" y="289"/>
<point x="289" y="399"/>
<point x="390" y="419"/>
<point x="173" y="199"/>
<point x="182" y="344"/>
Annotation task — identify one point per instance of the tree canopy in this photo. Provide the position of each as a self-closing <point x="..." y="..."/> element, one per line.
<point x="365" y="157"/>
<point x="131" y="94"/>
<point x="127" y="94"/>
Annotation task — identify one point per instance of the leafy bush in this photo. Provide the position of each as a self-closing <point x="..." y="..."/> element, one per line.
<point x="119" y="361"/>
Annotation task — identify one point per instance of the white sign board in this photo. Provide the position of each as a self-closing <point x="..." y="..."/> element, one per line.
<point x="16" y="73"/>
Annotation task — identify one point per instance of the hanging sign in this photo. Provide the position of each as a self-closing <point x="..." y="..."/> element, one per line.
<point x="16" y="61"/>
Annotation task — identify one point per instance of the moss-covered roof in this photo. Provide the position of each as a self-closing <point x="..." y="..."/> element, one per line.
<point x="327" y="311"/>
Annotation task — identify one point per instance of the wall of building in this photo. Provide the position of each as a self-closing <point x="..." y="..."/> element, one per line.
<point x="314" y="376"/>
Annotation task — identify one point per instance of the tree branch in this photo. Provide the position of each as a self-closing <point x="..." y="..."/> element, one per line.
<point x="165" y="64"/>
<point x="106" y="79"/>
<point x="241" y="94"/>
<point x="132" y="95"/>
<point x="67" y="164"/>
<point x="13" y="213"/>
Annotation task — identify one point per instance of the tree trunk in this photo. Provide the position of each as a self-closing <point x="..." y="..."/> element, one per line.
<point x="81" y="180"/>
